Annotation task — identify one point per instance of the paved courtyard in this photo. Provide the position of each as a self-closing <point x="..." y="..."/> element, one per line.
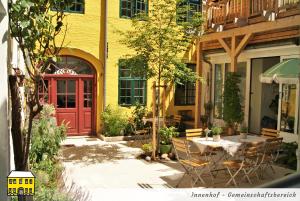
<point x="91" y="166"/>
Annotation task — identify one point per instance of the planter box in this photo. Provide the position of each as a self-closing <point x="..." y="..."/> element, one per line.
<point x="123" y="138"/>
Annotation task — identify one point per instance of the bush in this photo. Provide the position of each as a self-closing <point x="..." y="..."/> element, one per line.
<point x="166" y="135"/>
<point x="288" y="157"/>
<point x="147" y="148"/>
<point x="115" y="121"/>
<point x="138" y="113"/>
<point x="46" y="139"/>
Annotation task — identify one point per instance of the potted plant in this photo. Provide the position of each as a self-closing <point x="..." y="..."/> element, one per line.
<point x="147" y="148"/>
<point x="166" y="135"/>
<point x="243" y="132"/>
<point x="216" y="132"/>
<point x="232" y="113"/>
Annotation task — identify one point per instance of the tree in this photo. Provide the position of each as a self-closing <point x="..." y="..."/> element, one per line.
<point x="35" y="29"/>
<point x="233" y="113"/>
<point x="159" y="41"/>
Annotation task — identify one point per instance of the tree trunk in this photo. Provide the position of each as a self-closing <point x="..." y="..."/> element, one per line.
<point x="16" y="127"/>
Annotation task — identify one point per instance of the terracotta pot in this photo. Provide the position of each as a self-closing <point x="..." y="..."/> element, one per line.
<point x="216" y="138"/>
<point x="230" y="131"/>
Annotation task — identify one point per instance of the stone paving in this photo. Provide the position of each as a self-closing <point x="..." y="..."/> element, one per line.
<point x="91" y="165"/>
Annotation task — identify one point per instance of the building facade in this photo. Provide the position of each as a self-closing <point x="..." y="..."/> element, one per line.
<point x="249" y="37"/>
<point x="88" y="77"/>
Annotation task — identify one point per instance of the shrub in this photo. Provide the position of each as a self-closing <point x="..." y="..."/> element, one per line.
<point x="147" y="148"/>
<point x="216" y="130"/>
<point x="232" y="100"/>
<point x="138" y="113"/>
<point x="166" y="135"/>
<point x="45" y="143"/>
<point x="115" y="121"/>
<point x="46" y="136"/>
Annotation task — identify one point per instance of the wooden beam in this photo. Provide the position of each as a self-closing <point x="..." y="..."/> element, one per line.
<point x="233" y="56"/>
<point x="198" y="84"/>
<point x="254" y="28"/>
<point x="224" y="45"/>
<point x="243" y="43"/>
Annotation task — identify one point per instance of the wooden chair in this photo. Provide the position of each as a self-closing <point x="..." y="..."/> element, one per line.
<point x="193" y="167"/>
<point x="247" y="162"/>
<point x="273" y="146"/>
<point x="190" y="133"/>
<point x="270" y="133"/>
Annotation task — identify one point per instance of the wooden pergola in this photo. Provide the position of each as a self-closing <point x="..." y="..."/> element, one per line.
<point x="234" y="40"/>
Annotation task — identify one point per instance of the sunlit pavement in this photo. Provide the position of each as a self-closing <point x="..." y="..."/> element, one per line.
<point x="91" y="165"/>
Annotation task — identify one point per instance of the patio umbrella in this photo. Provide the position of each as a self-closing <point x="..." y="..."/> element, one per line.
<point x="286" y="72"/>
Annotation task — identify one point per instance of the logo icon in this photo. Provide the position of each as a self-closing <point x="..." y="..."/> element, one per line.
<point x="20" y="183"/>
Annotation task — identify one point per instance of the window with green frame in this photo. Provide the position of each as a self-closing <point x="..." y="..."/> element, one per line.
<point x="77" y="6"/>
<point x="130" y="8"/>
<point x="185" y="94"/>
<point x="193" y="6"/>
<point x="131" y="89"/>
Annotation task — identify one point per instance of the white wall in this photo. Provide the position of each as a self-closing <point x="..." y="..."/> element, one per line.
<point x="4" y="134"/>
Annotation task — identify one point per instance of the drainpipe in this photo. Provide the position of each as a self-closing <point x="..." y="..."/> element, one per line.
<point x="105" y="54"/>
<point x="209" y="83"/>
<point x="298" y="150"/>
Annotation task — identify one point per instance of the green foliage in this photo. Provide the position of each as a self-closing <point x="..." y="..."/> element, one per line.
<point x="50" y="194"/>
<point x="138" y="113"/>
<point x="244" y="128"/>
<point x="158" y="42"/>
<point x="115" y="121"/>
<point x="46" y="136"/>
<point x="288" y="157"/>
<point x="232" y="99"/>
<point x="166" y="135"/>
<point x="147" y="148"/>
<point x="216" y="130"/>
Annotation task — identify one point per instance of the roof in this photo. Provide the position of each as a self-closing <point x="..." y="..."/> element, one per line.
<point x="287" y="71"/>
<point x="20" y="174"/>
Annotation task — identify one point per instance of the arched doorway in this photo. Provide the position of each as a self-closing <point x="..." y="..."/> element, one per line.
<point x="70" y="85"/>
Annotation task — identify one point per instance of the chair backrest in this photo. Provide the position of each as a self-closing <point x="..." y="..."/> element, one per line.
<point x="190" y="133"/>
<point x="273" y="145"/>
<point x="177" y="118"/>
<point x="180" y="147"/>
<point x="254" y="149"/>
<point x="267" y="132"/>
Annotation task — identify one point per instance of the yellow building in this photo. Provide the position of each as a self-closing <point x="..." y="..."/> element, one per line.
<point x="94" y="78"/>
<point x="20" y="183"/>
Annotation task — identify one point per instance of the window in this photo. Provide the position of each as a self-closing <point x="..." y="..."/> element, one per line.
<point x="220" y="71"/>
<point x="132" y="89"/>
<point x="66" y="93"/>
<point x="130" y="8"/>
<point x="43" y="92"/>
<point x="77" y="6"/>
<point x="20" y="181"/>
<point x="30" y="181"/>
<point x="10" y="181"/>
<point x="26" y="181"/>
<point x="15" y="181"/>
<point x="30" y="190"/>
<point x="185" y="94"/>
<point x="190" y="7"/>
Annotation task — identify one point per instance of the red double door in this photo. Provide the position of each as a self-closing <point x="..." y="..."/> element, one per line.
<point x="72" y="97"/>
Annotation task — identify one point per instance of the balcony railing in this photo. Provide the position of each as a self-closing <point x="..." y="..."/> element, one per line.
<point x="224" y="12"/>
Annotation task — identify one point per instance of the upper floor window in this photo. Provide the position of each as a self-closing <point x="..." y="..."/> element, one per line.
<point x="185" y="94"/>
<point x="130" y="8"/>
<point x="76" y="6"/>
<point x="190" y="7"/>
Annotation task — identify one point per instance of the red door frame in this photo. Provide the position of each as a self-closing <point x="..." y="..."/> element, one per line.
<point x="52" y="95"/>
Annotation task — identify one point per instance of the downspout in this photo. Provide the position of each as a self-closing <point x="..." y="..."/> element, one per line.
<point x="298" y="150"/>
<point x="105" y="53"/>
<point x="209" y="83"/>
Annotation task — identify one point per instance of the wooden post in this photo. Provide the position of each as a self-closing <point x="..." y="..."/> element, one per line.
<point x="154" y="121"/>
<point x="164" y="103"/>
<point x="198" y="85"/>
<point x="233" y="56"/>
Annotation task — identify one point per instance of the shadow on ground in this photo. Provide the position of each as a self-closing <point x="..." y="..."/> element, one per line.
<point x="91" y="154"/>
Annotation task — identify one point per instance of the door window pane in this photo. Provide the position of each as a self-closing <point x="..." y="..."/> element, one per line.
<point x="288" y="104"/>
<point x="61" y="101"/>
<point x="71" y="101"/>
<point x="71" y="86"/>
<point x="61" y="86"/>
<point x="87" y="93"/>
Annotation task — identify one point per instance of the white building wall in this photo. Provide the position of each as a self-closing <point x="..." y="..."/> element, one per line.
<point x="4" y="131"/>
<point x="288" y="51"/>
